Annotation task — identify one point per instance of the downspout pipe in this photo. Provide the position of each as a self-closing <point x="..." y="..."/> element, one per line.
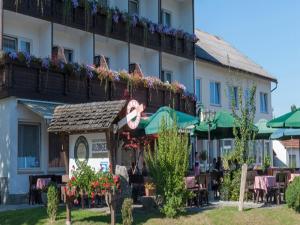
<point x="276" y="86"/>
<point x="1" y="24"/>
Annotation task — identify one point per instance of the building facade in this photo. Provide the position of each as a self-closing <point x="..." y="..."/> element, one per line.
<point x="220" y="70"/>
<point x="155" y="36"/>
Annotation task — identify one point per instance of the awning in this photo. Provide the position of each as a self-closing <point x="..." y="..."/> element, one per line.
<point x="41" y="108"/>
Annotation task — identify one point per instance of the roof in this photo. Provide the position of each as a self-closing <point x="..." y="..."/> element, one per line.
<point x="215" y="50"/>
<point x="89" y="117"/>
<point x="41" y="108"/>
<point x="293" y="143"/>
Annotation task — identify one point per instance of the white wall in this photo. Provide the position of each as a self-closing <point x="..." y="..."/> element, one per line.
<point x="116" y="51"/>
<point x="86" y="49"/>
<point x="281" y="153"/>
<point x="181" y="13"/>
<point x="148" y="60"/>
<point x="208" y="72"/>
<point x="182" y="70"/>
<point x="93" y="162"/>
<point x="11" y="113"/>
<point x="120" y="4"/>
<point x="149" y="10"/>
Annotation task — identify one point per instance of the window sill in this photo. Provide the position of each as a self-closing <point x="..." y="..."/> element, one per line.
<point x="215" y="105"/>
<point x="57" y="170"/>
<point x="29" y="171"/>
<point x="264" y="112"/>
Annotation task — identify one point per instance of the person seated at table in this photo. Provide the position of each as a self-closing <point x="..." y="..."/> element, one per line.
<point x="219" y="165"/>
<point x="144" y="170"/>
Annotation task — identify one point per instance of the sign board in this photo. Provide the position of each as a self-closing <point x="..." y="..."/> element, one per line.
<point x="133" y="117"/>
<point x="91" y="148"/>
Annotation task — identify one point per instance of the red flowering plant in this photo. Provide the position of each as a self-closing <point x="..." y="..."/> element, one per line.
<point x="105" y="182"/>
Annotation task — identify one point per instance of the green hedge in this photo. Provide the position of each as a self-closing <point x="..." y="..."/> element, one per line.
<point x="293" y="195"/>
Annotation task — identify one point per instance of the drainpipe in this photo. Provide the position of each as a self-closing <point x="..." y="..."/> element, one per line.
<point x="276" y="83"/>
<point x="1" y="24"/>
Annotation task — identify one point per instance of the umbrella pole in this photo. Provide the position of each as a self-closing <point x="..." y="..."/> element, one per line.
<point x="208" y="148"/>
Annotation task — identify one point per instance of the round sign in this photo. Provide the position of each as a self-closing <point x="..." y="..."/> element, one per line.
<point x="134" y="105"/>
<point x="81" y="150"/>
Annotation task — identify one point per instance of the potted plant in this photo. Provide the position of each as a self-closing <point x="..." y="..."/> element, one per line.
<point x="150" y="189"/>
<point x="266" y="164"/>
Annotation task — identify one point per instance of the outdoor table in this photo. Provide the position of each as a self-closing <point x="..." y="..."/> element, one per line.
<point x="293" y="176"/>
<point x="42" y="182"/>
<point x="263" y="184"/>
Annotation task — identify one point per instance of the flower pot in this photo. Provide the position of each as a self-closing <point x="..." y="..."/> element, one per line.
<point x="149" y="192"/>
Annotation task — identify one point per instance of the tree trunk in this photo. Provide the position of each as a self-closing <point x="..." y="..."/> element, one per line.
<point x="110" y="199"/>
<point x="243" y="187"/>
<point x="68" y="211"/>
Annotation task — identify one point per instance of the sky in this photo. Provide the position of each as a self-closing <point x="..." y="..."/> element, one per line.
<point x="267" y="31"/>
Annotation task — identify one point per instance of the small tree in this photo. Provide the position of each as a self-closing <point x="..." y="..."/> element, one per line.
<point x="52" y="204"/>
<point x="244" y="131"/>
<point x="168" y="166"/>
<point x="127" y="211"/>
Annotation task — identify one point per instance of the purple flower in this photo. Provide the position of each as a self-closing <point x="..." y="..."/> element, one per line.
<point x="134" y="20"/>
<point x="75" y="3"/>
<point x="116" y="17"/>
<point x="151" y="28"/>
<point x="45" y="63"/>
<point x="27" y="58"/>
<point x="61" y="65"/>
<point x="159" y="28"/>
<point x="89" y="71"/>
<point x="94" y="8"/>
<point x="13" y="55"/>
<point x="116" y="77"/>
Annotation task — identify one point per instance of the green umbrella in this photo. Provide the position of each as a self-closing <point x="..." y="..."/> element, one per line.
<point x="289" y="120"/>
<point x="285" y="134"/>
<point x="221" y="127"/>
<point x="264" y="132"/>
<point x="152" y="124"/>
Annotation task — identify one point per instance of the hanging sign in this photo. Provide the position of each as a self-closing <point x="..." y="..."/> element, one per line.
<point x="133" y="117"/>
<point x="81" y="150"/>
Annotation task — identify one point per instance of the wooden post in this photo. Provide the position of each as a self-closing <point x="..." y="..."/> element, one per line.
<point x="243" y="186"/>
<point x="68" y="211"/>
<point x="110" y="199"/>
<point x="64" y="150"/>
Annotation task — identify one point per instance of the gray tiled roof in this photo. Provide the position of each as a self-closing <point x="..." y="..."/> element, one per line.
<point x="215" y="50"/>
<point x="86" y="117"/>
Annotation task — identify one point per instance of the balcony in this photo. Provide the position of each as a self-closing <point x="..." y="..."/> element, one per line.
<point x="32" y="81"/>
<point x="103" y="24"/>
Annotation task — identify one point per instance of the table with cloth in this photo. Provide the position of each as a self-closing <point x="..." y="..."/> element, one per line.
<point x="293" y="176"/>
<point x="262" y="184"/>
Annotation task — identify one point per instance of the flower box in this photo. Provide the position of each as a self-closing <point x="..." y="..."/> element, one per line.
<point x="168" y="43"/>
<point x="180" y="46"/>
<point x="119" y="31"/>
<point x="189" y="48"/>
<point x="153" y="40"/>
<point x="137" y="34"/>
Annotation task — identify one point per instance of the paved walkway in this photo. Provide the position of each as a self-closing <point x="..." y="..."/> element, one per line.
<point x="4" y="208"/>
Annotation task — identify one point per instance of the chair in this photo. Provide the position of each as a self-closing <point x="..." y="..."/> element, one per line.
<point x="215" y="182"/>
<point x="282" y="182"/>
<point x="250" y="184"/>
<point x="191" y="185"/>
<point x="203" y="189"/>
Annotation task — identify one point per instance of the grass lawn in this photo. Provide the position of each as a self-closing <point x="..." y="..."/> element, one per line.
<point x="218" y="216"/>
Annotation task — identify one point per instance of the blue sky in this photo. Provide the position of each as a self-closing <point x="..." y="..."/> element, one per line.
<point x="267" y="31"/>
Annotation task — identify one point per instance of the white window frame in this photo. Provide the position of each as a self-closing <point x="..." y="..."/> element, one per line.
<point x="263" y="101"/>
<point x="220" y="97"/>
<point x="35" y="169"/>
<point x="169" y="72"/>
<point x="163" y="11"/>
<point x="138" y="6"/>
<point x="11" y="37"/>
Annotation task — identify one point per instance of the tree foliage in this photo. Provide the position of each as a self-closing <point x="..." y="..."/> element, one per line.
<point x="52" y="205"/>
<point x="244" y="115"/>
<point x="168" y="165"/>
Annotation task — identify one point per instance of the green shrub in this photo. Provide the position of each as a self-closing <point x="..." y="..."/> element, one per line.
<point x="293" y="195"/>
<point x="167" y="166"/>
<point x="127" y="211"/>
<point x="230" y="187"/>
<point x="52" y="205"/>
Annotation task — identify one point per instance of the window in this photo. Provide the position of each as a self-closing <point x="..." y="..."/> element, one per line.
<point x="292" y="161"/>
<point x="166" y="76"/>
<point x="10" y="44"/>
<point x="166" y="18"/>
<point x="198" y="90"/>
<point x="133" y="7"/>
<point x="233" y="97"/>
<point x="215" y="97"/>
<point x="69" y="55"/>
<point x="28" y="146"/>
<point x="263" y="102"/>
<point x="24" y="46"/>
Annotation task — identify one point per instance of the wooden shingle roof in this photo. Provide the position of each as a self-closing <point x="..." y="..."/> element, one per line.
<point x="88" y="117"/>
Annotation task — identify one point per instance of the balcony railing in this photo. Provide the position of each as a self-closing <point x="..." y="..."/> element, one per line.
<point x="34" y="82"/>
<point x="102" y="23"/>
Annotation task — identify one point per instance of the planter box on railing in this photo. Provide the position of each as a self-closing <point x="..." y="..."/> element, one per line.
<point x="137" y="35"/>
<point x="168" y="43"/>
<point x="119" y="31"/>
<point x="189" y="49"/>
<point x="180" y="46"/>
<point x="153" y="40"/>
